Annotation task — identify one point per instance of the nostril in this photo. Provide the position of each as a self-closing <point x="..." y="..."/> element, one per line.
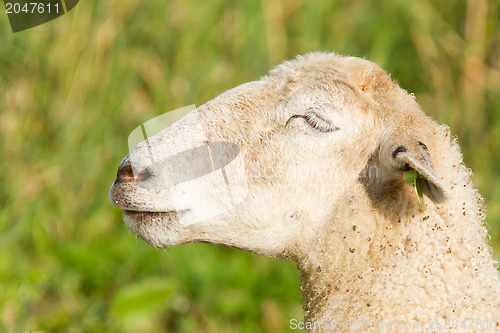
<point x="126" y="173"/>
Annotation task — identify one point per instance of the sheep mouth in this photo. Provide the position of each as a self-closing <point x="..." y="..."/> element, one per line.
<point x="148" y="216"/>
<point x="134" y="219"/>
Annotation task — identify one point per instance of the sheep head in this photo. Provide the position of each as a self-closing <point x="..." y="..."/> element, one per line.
<point x="269" y="165"/>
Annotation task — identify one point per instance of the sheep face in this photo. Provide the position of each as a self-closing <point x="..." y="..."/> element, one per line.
<point x="269" y="165"/>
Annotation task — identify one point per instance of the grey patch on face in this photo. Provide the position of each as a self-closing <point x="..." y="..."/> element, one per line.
<point x="191" y="164"/>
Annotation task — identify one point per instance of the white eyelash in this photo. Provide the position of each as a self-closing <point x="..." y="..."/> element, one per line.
<point x="319" y="123"/>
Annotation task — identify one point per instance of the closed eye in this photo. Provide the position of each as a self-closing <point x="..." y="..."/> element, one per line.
<point x="317" y="122"/>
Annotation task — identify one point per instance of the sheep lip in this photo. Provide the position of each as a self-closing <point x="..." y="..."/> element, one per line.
<point x="135" y="212"/>
<point x="145" y="214"/>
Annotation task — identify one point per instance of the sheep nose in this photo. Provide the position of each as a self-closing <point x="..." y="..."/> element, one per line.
<point x="126" y="173"/>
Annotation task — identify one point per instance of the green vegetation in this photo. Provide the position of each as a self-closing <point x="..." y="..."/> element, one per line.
<point x="72" y="90"/>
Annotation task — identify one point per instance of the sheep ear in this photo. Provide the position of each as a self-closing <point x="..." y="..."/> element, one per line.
<point x="416" y="157"/>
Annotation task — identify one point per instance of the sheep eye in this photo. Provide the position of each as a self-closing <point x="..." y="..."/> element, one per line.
<point x="317" y="122"/>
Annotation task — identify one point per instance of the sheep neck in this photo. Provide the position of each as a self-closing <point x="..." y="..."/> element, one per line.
<point x="408" y="267"/>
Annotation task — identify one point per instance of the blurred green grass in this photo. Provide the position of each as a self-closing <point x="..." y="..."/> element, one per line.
<point x="73" y="89"/>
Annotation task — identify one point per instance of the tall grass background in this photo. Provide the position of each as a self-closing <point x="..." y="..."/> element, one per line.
<point x="72" y="90"/>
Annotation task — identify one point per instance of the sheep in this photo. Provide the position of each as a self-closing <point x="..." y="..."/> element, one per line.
<point x="319" y="149"/>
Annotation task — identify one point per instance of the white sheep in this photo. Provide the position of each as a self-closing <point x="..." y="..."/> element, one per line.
<point x="322" y="143"/>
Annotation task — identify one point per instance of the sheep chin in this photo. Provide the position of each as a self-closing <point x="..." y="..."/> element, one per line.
<point x="158" y="229"/>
